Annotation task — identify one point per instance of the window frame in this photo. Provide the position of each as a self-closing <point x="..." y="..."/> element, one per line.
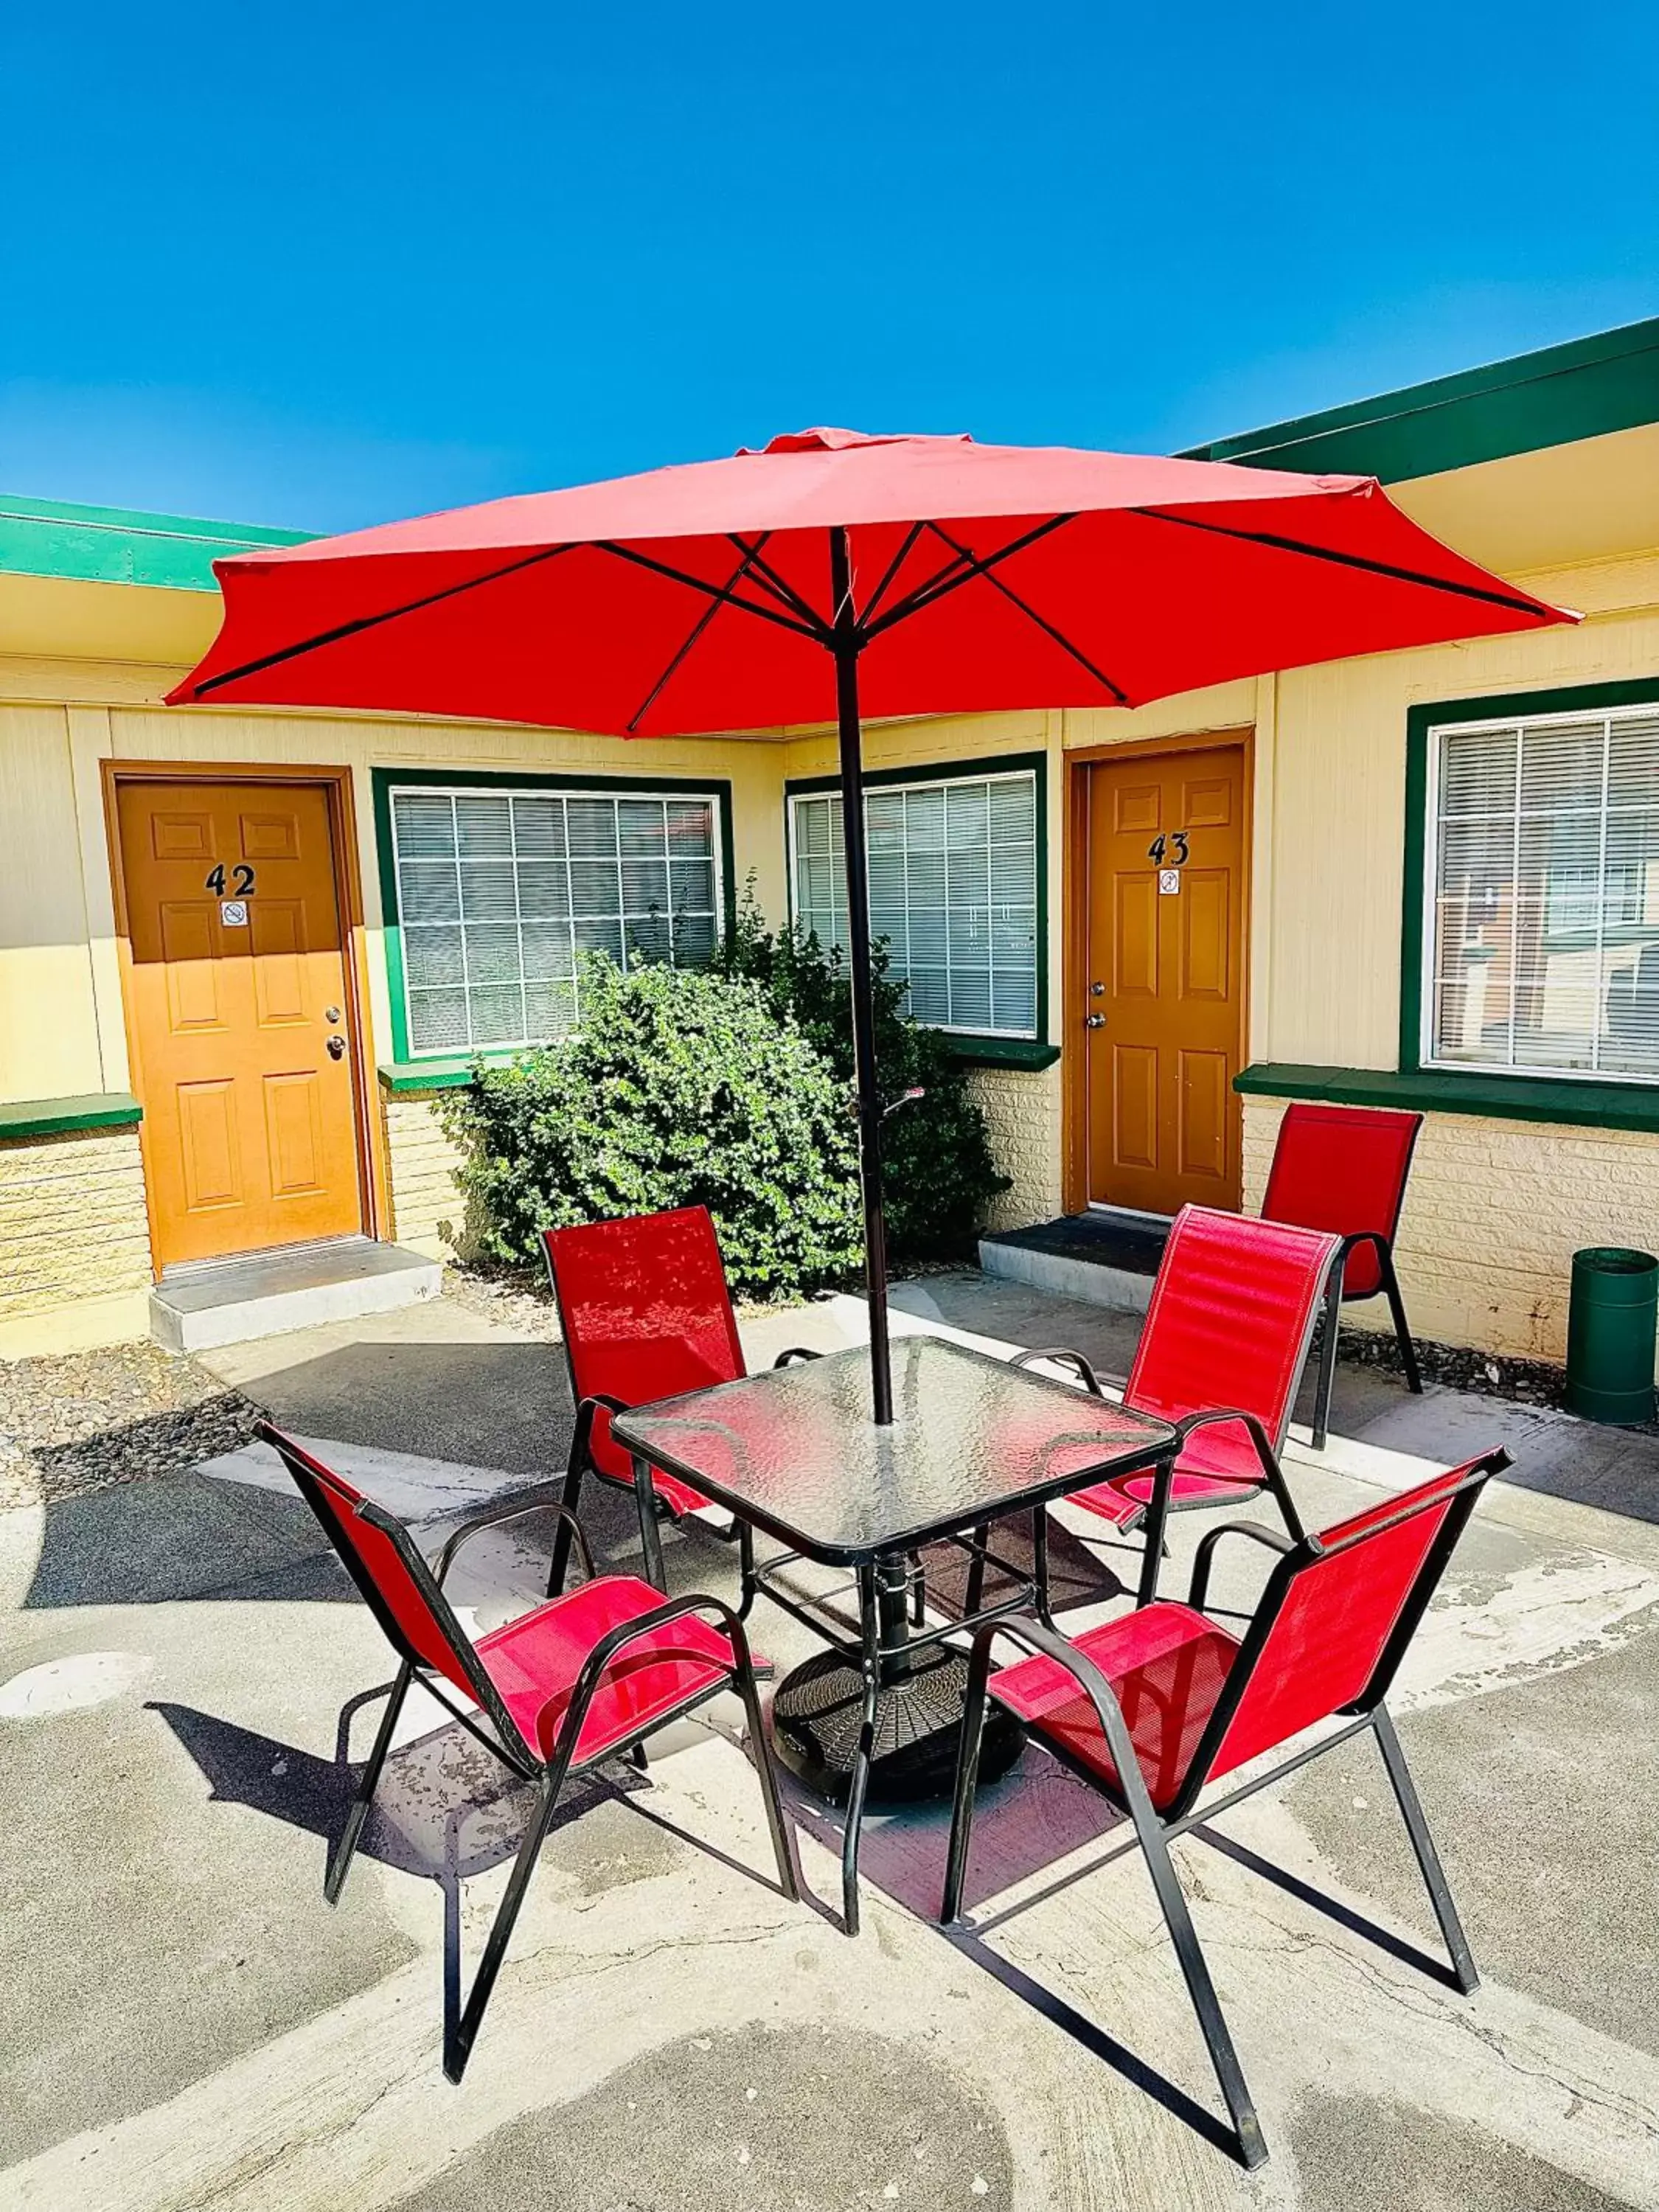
<point x="991" y="1045"/>
<point x="1424" y="726"/>
<point x="717" y="790"/>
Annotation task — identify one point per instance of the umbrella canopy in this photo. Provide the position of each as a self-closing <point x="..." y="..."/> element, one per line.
<point x="831" y="574"/>
<point x="699" y="598"/>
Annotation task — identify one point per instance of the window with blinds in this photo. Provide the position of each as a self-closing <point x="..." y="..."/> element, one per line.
<point x="953" y="891"/>
<point x="499" y="891"/>
<point x="1545" y="884"/>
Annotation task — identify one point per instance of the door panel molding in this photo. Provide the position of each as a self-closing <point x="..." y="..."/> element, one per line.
<point x="1195" y="1142"/>
<point x="374" y="1178"/>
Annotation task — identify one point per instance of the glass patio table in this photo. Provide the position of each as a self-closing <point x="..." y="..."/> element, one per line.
<point x="794" y="1452"/>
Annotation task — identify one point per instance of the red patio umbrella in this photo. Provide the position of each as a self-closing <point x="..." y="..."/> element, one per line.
<point x="832" y="574"/>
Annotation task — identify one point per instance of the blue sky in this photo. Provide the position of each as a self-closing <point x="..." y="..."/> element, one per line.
<point x="321" y="266"/>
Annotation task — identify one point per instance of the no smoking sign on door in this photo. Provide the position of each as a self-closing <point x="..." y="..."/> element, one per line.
<point x="1169" y="882"/>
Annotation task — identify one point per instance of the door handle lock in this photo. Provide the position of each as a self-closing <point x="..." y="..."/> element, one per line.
<point x="337" y="1048"/>
<point x="1097" y="990"/>
<point x="1090" y="1022"/>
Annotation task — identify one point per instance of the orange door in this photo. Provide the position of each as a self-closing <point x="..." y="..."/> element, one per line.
<point x="239" y="1016"/>
<point x="1164" y="987"/>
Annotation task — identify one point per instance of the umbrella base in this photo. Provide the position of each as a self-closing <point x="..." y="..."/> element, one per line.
<point x="818" y="1709"/>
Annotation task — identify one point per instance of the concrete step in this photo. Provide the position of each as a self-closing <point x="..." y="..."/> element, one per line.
<point x="216" y="1301"/>
<point x="1104" y="1258"/>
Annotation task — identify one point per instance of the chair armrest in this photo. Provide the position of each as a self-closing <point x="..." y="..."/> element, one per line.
<point x="1024" y="1628"/>
<point x="599" y="1658"/>
<point x="795" y="1351"/>
<point x="544" y="1498"/>
<point x="1200" y="1586"/>
<point x="1272" y="1473"/>
<point x="1061" y="1355"/>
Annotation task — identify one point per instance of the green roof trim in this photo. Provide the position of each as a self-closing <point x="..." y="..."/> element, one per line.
<point x="1584" y="389"/>
<point x="58" y="1117"/>
<point x="1495" y="1098"/>
<point x="119" y="545"/>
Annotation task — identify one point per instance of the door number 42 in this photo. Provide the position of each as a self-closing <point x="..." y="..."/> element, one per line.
<point x="1173" y="846"/>
<point x="244" y="880"/>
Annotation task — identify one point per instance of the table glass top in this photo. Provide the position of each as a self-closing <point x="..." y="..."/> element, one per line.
<point x="796" y="1451"/>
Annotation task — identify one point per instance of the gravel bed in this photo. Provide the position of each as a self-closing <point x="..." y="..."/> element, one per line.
<point x="79" y="1420"/>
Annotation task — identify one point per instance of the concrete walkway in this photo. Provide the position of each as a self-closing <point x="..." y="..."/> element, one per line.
<point x="183" y="2022"/>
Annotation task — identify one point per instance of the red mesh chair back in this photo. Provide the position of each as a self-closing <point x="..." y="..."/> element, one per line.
<point x="1330" y="1620"/>
<point x="1231" y="1314"/>
<point x="645" y="1313"/>
<point x="394" y="1581"/>
<point x="1343" y="1168"/>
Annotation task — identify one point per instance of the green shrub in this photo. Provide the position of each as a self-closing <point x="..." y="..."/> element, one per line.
<point x="681" y="1088"/>
<point x="937" y="1172"/>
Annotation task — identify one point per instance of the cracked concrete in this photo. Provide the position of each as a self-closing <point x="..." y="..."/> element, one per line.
<point x="184" y="2024"/>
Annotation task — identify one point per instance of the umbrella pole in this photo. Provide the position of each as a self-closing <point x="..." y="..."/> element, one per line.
<point x="848" y="642"/>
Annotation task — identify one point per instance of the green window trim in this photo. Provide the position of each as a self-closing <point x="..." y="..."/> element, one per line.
<point x="1493" y="1098"/>
<point x="56" y="1117"/>
<point x="981" y="1049"/>
<point x="384" y="781"/>
<point x="1581" y="1098"/>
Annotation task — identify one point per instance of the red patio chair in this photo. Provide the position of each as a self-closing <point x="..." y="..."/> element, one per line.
<point x="1152" y="1707"/>
<point x="576" y="1680"/>
<point x="1344" y="1168"/>
<point x="645" y="1313"/>
<point x="1224" y="1341"/>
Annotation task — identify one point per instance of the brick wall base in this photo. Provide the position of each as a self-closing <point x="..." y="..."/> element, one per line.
<point x="1021" y="1108"/>
<point x="72" y="1222"/>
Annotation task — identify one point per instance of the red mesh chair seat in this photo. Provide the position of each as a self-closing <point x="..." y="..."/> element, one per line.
<point x="589" y="1673"/>
<point x="646" y="1313"/>
<point x="1167" y="1664"/>
<point x="1227" y="1331"/>
<point x="534" y="1662"/>
<point x="1344" y="1169"/>
<point x="1152" y="1708"/>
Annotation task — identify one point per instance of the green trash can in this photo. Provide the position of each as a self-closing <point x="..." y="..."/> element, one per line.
<point x="1610" y="1334"/>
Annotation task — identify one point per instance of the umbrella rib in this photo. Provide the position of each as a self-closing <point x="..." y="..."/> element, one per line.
<point x="1047" y="628"/>
<point x="892" y="569"/>
<point x="961" y="569"/>
<point x="720" y="592"/>
<point x="372" y="621"/>
<point x="1343" y="559"/>
<point x="782" y="587"/>
<point x="696" y="631"/>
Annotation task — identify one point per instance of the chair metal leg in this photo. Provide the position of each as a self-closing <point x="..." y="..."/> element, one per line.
<point x="767" y="1771"/>
<point x="345" y="1851"/>
<point x="1428" y="1859"/>
<point x="573" y="1474"/>
<point x="1326" y="1382"/>
<point x="460" y="2035"/>
<point x="962" y="1811"/>
<point x="1402" y="1333"/>
<point x="1158" y="1520"/>
<point x="1196" y="1973"/>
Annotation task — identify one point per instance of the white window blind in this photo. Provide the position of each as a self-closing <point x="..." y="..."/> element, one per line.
<point x="1544" y="888"/>
<point x="952" y="889"/>
<point x="499" y="891"/>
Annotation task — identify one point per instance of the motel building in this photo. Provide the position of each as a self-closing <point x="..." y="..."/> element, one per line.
<point x="243" y="954"/>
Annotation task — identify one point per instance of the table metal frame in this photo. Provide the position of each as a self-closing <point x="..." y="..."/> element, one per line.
<point x="886" y="1577"/>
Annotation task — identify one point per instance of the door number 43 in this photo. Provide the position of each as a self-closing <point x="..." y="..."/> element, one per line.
<point x="1172" y="848"/>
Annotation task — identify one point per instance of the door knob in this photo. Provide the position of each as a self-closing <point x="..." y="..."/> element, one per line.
<point x="1090" y="1022"/>
<point x="337" y="1048"/>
